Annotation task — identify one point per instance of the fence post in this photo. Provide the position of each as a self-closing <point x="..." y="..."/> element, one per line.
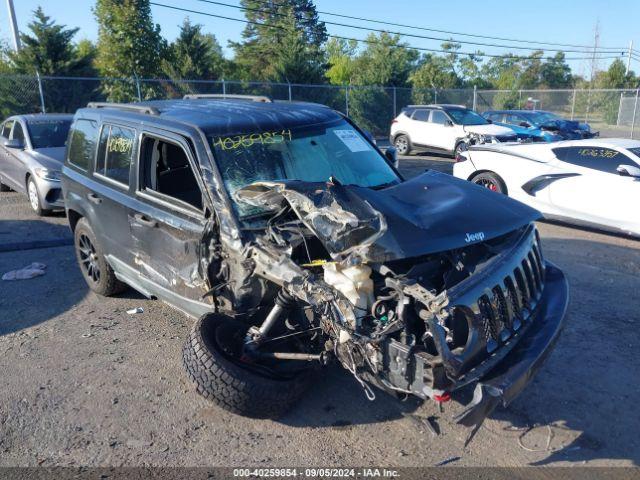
<point x="573" y="104"/>
<point x="138" y="87"/>
<point x="435" y="95"/>
<point x="289" y="85"/>
<point x="635" y="109"/>
<point x="395" y="105"/>
<point x="519" y="99"/>
<point x="346" y="100"/>
<point x="224" y="88"/>
<point x="475" y="97"/>
<point x="41" y="90"/>
<point x="619" y="109"/>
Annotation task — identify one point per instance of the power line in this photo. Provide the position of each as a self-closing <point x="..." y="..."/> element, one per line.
<point x="405" y="34"/>
<point x="371" y="42"/>
<point x="448" y="32"/>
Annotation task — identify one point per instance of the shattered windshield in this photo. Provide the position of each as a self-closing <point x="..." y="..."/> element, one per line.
<point x="312" y="153"/>
<point x="466" y="117"/>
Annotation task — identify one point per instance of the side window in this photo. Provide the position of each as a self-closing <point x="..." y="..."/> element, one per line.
<point x="6" y="128"/>
<point x="515" y="119"/>
<point x="18" y="133"/>
<point x="421" y="115"/>
<point x="82" y="147"/>
<point x="165" y="169"/>
<point x="600" y="159"/>
<point x="115" y="152"/>
<point x="438" y="117"/>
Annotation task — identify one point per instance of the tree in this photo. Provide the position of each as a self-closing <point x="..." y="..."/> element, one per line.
<point x="341" y="59"/>
<point x="556" y="73"/>
<point x="129" y="45"/>
<point x="193" y="55"/>
<point x="49" y="50"/>
<point x="283" y="42"/>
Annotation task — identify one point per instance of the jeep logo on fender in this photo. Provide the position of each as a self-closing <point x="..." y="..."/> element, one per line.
<point x="474" y="237"/>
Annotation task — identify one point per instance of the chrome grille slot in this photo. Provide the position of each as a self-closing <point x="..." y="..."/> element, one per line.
<point x="490" y="327"/>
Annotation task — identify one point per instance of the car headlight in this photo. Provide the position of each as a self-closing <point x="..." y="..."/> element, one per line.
<point x="46" y="174"/>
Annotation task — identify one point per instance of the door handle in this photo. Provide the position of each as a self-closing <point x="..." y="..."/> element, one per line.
<point x="93" y="198"/>
<point x="144" y="220"/>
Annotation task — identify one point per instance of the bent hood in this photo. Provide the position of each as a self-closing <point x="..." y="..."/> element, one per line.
<point x="51" y="158"/>
<point x="431" y="213"/>
<point x="489" y="129"/>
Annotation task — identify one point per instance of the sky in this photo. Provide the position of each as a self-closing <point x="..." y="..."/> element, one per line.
<point x="568" y="21"/>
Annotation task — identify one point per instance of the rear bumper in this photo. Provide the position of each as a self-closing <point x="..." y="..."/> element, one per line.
<point x="508" y="378"/>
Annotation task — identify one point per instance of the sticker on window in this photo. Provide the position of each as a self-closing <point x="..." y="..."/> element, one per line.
<point x="351" y="139"/>
<point x="246" y="141"/>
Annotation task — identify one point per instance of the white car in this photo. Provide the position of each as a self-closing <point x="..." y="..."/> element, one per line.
<point x="593" y="182"/>
<point x="442" y="128"/>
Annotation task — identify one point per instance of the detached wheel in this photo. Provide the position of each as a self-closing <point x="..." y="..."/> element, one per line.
<point x="96" y="271"/>
<point x="490" y="181"/>
<point x="402" y="144"/>
<point x="214" y="361"/>
<point x="34" y="198"/>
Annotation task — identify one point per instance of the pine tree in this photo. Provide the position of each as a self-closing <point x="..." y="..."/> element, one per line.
<point x="129" y="45"/>
<point x="283" y="42"/>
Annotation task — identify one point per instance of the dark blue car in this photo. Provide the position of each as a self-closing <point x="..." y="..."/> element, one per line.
<point x="539" y="125"/>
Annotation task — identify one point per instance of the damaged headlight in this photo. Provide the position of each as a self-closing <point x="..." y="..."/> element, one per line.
<point x="46" y="174"/>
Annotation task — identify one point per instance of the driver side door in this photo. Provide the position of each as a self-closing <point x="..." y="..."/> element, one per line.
<point x="595" y="192"/>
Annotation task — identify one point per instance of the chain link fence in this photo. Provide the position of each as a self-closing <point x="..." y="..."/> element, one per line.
<point x="614" y="113"/>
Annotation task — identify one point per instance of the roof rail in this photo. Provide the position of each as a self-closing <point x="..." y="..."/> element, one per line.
<point x="126" y="106"/>
<point x="223" y="96"/>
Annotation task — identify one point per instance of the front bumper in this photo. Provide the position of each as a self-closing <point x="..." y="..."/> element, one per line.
<point x="513" y="373"/>
<point x="50" y="194"/>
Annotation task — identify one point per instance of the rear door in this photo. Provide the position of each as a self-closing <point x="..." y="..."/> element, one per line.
<point x="168" y="221"/>
<point x="595" y="192"/>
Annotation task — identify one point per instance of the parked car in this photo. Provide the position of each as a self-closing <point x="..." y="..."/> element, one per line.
<point x="295" y="241"/>
<point x="587" y="182"/>
<point x="541" y="126"/>
<point x="442" y="128"/>
<point x="31" y="155"/>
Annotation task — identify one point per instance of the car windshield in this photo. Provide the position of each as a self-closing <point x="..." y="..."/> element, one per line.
<point x="48" y="133"/>
<point x="312" y="154"/>
<point x="635" y="151"/>
<point x="540" y="118"/>
<point x="466" y="117"/>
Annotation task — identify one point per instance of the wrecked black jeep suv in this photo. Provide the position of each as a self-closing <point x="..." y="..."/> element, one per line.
<point x="296" y="242"/>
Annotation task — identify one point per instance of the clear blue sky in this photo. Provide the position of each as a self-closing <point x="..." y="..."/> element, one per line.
<point x="542" y="20"/>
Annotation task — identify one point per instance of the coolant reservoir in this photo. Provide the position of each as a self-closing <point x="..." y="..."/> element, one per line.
<point x="353" y="282"/>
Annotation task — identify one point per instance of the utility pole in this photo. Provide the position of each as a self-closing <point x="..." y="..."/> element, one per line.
<point x="629" y="56"/>
<point x="594" y="61"/>
<point x="14" y="25"/>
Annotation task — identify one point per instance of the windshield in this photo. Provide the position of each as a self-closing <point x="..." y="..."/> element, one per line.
<point x="311" y="154"/>
<point x="48" y="133"/>
<point x="541" y="118"/>
<point x="635" y="151"/>
<point x="466" y="117"/>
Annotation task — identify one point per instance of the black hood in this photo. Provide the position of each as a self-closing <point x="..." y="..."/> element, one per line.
<point x="431" y="213"/>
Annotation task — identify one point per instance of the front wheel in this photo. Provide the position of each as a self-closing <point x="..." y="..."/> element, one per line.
<point x="34" y="199"/>
<point x="402" y="144"/>
<point x="214" y="359"/>
<point x="490" y="181"/>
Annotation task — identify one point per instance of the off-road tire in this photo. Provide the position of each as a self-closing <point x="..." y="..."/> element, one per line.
<point x="232" y="387"/>
<point x="486" y="179"/>
<point x="107" y="283"/>
<point x="403" y="144"/>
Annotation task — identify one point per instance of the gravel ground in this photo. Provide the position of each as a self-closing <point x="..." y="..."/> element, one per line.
<point x="84" y="383"/>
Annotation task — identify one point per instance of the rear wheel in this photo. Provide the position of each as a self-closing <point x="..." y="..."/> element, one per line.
<point x="96" y="271"/>
<point x="402" y="144"/>
<point x="490" y="181"/>
<point x="215" y="361"/>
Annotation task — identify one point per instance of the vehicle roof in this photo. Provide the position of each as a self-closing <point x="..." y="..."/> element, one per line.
<point x="226" y="116"/>
<point x="517" y="111"/>
<point x="601" y="142"/>
<point x="46" y="116"/>
<point x="441" y="106"/>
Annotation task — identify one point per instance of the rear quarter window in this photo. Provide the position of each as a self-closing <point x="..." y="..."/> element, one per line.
<point x="82" y="144"/>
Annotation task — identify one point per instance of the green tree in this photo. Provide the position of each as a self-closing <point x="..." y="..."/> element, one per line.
<point x="341" y="59"/>
<point x="556" y="73"/>
<point x="49" y="50"/>
<point x="283" y="42"/>
<point x="129" y="44"/>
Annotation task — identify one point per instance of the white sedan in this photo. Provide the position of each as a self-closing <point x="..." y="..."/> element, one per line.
<point x="593" y="182"/>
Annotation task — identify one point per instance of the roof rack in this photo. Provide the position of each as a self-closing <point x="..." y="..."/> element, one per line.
<point x="126" y="106"/>
<point x="223" y="96"/>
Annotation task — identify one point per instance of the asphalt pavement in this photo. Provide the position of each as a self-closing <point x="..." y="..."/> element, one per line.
<point x="85" y="383"/>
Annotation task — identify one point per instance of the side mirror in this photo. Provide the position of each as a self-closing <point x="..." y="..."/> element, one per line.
<point x="628" y="171"/>
<point x="391" y="154"/>
<point x="14" y="143"/>
<point x="448" y="123"/>
<point x="524" y="124"/>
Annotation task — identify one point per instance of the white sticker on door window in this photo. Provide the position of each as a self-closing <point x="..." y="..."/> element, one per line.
<point x="351" y="139"/>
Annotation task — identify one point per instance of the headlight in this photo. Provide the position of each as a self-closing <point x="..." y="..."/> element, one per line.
<point x="46" y="174"/>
